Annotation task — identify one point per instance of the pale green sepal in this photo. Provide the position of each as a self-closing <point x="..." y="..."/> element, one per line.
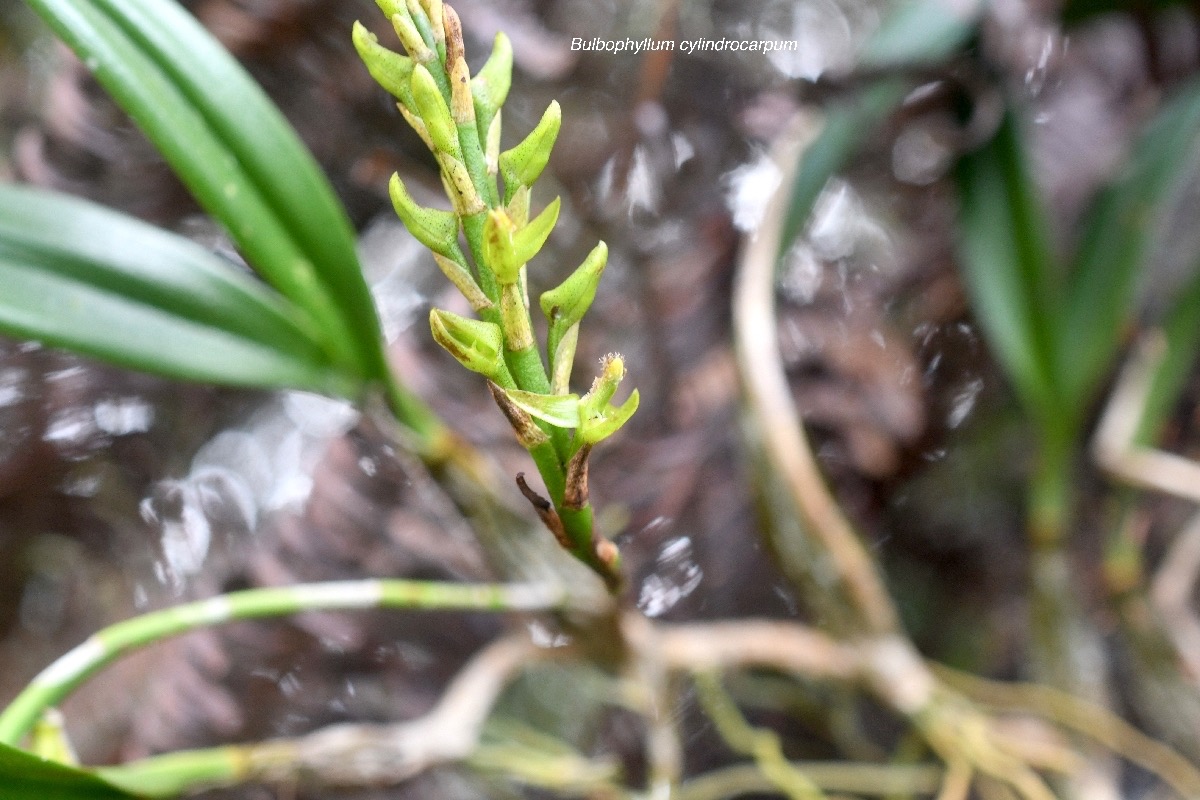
<point x="598" y="418"/>
<point x="508" y="247"/>
<point x="518" y="206"/>
<point x="562" y="359"/>
<point x="560" y="410"/>
<point x="433" y="111"/>
<point x="522" y="165"/>
<point x="390" y="70"/>
<point x="609" y="421"/>
<point x="528" y="239"/>
<point x="490" y="86"/>
<point x="477" y="345"/>
<point x="491" y="152"/>
<point x="498" y="229"/>
<point x="432" y="227"/>
<point x="391" y="8"/>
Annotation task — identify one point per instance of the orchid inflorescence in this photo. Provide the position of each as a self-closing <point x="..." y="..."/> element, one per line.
<point x="459" y="118"/>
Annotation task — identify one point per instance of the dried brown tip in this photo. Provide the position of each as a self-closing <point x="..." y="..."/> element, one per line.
<point x="545" y="512"/>
<point x="575" y="494"/>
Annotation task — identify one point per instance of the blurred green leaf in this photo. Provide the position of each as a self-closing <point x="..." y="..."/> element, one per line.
<point x="24" y="776"/>
<point x="912" y="32"/>
<point x="236" y="153"/>
<point x="1007" y="263"/>
<point x="1119" y="233"/>
<point x="917" y="32"/>
<point x="846" y="127"/>
<point x="80" y="276"/>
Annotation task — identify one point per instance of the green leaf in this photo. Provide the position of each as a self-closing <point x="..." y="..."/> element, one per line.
<point x="912" y="32"/>
<point x="24" y="776"/>
<point x="234" y="151"/>
<point x="1120" y="230"/>
<point x="1006" y="259"/>
<point x="916" y="32"/>
<point x="846" y="127"/>
<point x="80" y="276"/>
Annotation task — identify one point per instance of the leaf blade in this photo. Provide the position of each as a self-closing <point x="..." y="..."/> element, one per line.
<point x="25" y="776"/>
<point x="234" y="151"/>
<point x="1008" y="267"/>
<point x="1117" y="240"/>
<point x="80" y="276"/>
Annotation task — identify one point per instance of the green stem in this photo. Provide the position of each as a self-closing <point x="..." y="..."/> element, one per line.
<point x="63" y="676"/>
<point x="476" y="163"/>
<point x="173" y="774"/>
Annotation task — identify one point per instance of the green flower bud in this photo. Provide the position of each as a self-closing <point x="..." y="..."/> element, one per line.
<point x="492" y="150"/>
<point x="390" y="8"/>
<point x="432" y="227"/>
<point x="490" y="87"/>
<point x="528" y="240"/>
<point x="566" y="304"/>
<point x="522" y="165"/>
<point x="477" y="345"/>
<point x="507" y="248"/>
<point x="390" y="70"/>
<point x="433" y="111"/>
<point x="498" y="229"/>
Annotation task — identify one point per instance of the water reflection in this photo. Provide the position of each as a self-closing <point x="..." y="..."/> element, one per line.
<point x="676" y="575"/>
<point x="263" y="465"/>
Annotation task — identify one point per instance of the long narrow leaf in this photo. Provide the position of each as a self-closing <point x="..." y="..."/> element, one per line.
<point x="263" y="141"/>
<point x="912" y="32"/>
<point x="76" y="275"/>
<point x="1117" y="240"/>
<point x="1008" y="268"/>
<point x="917" y="32"/>
<point x="208" y="157"/>
<point x="24" y="776"/>
<point x="845" y="129"/>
